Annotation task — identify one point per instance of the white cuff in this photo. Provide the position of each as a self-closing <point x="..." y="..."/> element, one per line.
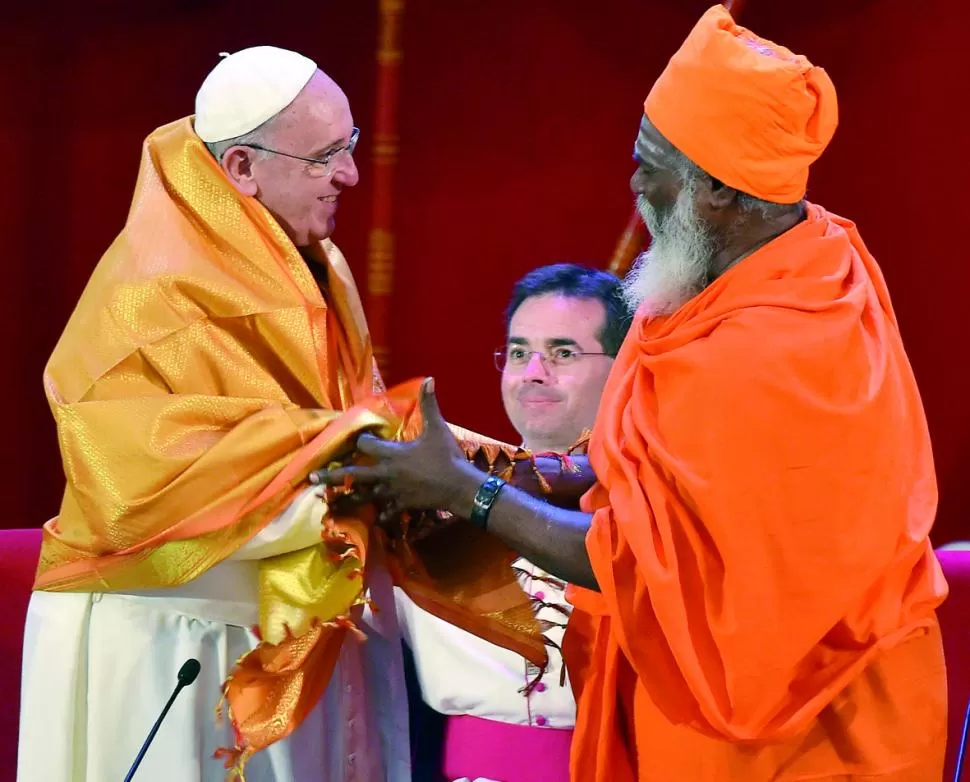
<point x="299" y="526"/>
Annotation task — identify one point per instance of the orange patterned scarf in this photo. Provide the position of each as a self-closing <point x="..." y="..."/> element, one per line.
<point x="202" y="376"/>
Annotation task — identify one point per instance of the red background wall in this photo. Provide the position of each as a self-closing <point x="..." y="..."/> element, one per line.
<point x="517" y="123"/>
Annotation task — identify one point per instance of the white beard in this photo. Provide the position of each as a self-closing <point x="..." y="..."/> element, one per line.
<point x="675" y="267"/>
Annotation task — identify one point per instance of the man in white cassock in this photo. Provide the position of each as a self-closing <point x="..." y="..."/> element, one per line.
<point x="222" y="321"/>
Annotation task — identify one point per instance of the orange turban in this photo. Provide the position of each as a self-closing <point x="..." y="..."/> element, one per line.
<point x="746" y="110"/>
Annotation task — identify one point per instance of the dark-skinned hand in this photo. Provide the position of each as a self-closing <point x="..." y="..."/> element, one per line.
<point x="429" y="473"/>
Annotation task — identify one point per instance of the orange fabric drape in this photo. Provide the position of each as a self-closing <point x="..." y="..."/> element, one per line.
<point x="761" y="535"/>
<point x="172" y="419"/>
<point x="201" y="378"/>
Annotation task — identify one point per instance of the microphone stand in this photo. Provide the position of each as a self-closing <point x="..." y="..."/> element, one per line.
<point x="186" y="675"/>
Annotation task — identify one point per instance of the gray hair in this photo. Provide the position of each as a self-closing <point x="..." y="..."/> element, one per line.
<point x="747" y="204"/>
<point x="257" y="136"/>
<point x="218" y="148"/>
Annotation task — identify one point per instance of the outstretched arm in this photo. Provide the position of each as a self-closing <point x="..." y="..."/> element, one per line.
<point x="431" y="473"/>
<point x="551" y="537"/>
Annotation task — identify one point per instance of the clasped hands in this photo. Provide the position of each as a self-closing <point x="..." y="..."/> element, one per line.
<point x="427" y="474"/>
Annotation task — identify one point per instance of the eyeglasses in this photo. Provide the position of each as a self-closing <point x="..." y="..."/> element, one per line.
<point x="515" y="358"/>
<point x="320" y="166"/>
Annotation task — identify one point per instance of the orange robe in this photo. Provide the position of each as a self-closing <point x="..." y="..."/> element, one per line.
<point x="760" y="536"/>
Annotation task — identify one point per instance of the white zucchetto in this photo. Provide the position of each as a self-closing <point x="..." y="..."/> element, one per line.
<point x="247" y="88"/>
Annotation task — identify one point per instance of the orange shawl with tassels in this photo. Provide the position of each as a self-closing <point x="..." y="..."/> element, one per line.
<point x="201" y="378"/>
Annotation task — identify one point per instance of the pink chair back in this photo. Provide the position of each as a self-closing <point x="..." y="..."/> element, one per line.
<point x="19" y="550"/>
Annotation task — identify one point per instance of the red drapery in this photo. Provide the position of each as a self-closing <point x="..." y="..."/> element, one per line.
<point x="380" y="243"/>
<point x="516" y="124"/>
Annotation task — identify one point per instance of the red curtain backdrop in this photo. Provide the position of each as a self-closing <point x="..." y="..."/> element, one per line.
<point x="516" y="124"/>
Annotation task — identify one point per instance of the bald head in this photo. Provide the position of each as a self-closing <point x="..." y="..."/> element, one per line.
<point x="314" y="118"/>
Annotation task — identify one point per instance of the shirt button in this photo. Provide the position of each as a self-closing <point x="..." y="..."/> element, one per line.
<point x="540" y="687"/>
<point x="540" y="595"/>
<point x="541" y="721"/>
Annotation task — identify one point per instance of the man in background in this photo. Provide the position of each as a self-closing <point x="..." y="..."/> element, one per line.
<point x="564" y="325"/>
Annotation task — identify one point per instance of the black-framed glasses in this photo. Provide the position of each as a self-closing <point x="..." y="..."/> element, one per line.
<point x="515" y="358"/>
<point x="321" y="166"/>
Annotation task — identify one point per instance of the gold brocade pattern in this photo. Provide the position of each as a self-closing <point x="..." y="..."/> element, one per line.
<point x="200" y="379"/>
<point x="306" y="586"/>
<point x="197" y="363"/>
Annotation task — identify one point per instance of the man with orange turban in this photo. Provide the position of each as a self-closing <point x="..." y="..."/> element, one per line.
<point x="753" y="582"/>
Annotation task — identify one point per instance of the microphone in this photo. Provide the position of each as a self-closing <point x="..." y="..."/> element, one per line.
<point x="186" y="675"/>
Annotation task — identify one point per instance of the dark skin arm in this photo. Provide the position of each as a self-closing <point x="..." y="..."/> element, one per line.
<point x="553" y="538"/>
<point x="431" y="473"/>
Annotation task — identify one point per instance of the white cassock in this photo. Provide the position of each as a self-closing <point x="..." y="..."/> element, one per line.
<point x="461" y="674"/>
<point x="98" y="669"/>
